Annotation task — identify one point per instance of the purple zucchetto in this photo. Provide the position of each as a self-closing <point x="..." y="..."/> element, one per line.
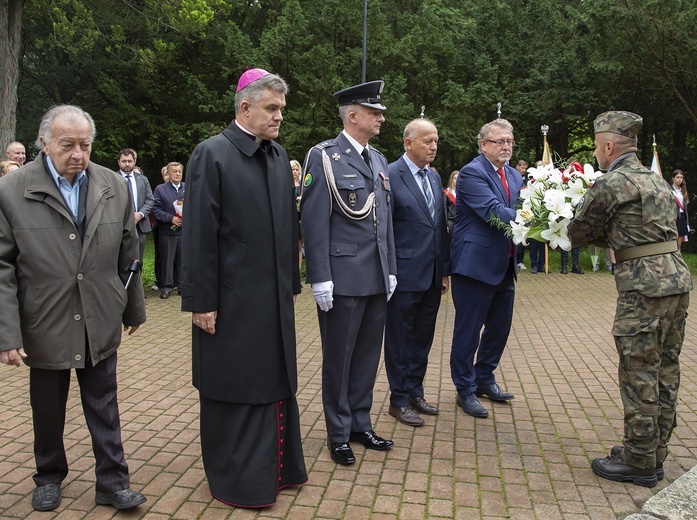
<point x="250" y="76"/>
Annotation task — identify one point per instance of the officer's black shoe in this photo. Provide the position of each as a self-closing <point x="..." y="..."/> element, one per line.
<point x="660" y="473"/>
<point x="577" y="270"/>
<point x="563" y="270"/>
<point x="371" y="440"/>
<point x="46" y="498"/>
<point x="471" y="406"/>
<point x="341" y="453"/>
<point x="494" y="393"/>
<point x="617" y="469"/>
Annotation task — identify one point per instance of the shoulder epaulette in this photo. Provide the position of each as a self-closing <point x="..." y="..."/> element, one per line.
<point x="325" y="144"/>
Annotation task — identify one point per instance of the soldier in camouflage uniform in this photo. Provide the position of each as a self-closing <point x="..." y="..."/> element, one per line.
<point x="631" y="209"/>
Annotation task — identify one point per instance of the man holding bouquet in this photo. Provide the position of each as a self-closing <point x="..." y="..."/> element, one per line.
<point x="483" y="263"/>
<point x="632" y="210"/>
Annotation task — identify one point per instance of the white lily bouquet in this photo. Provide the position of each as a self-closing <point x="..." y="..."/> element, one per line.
<point x="549" y="202"/>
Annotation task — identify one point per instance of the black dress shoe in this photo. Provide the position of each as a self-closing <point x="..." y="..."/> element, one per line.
<point x="563" y="270"/>
<point x="46" y="498"/>
<point x="617" y="469"/>
<point x="341" y="453"/>
<point x="577" y="270"/>
<point x="471" y="406"/>
<point x="164" y="294"/>
<point x="406" y="415"/>
<point x="660" y="472"/>
<point x="494" y="393"/>
<point x="122" y="499"/>
<point x="420" y="405"/>
<point x="371" y="440"/>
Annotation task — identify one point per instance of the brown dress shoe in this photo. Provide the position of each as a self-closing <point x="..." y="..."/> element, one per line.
<point x="406" y="415"/>
<point x="660" y="472"/>
<point x="420" y="405"/>
<point x="616" y="468"/>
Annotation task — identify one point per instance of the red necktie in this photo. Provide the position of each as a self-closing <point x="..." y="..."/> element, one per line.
<point x="502" y="176"/>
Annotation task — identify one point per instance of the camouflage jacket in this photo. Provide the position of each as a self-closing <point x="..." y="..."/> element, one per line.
<point x="632" y="206"/>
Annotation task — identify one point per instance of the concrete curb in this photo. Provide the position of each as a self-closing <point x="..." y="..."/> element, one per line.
<point x="676" y="502"/>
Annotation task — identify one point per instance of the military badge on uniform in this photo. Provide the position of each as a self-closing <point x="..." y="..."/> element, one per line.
<point x="336" y="156"/>
<point x="352" y="198"/>
<point x="308" y="180"/>
<point x="348" y="150"/>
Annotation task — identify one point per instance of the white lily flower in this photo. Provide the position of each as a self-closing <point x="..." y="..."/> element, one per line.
<point x="575" y="191"/>
<point x="557" y="235"/>
<point x="520" y="232"/>
<point x="555" y="202"/>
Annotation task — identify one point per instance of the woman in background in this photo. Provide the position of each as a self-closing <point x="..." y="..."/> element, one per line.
<point x="682" y="199"/>
<point x="450" y="202"/>
<point x="298" y="189"/>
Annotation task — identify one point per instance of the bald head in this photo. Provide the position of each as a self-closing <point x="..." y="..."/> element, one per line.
<point x="421" y="141"/>
<point x="15" y="152"/>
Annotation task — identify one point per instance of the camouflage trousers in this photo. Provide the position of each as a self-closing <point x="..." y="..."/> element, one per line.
<point x="649" y="334"/>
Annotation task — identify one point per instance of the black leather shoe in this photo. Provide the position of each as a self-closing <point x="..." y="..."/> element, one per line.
<point x="471" y="406"/>
<point x="617" y="469"/>
<point x="577" y="270"/>
<point x="164" y="295"/>
<point x="341" y="453"/>
<point x="371" y="440"/>
<point x="46" y="498"/>
<point x="660" y="473"/>
<point x="563" y="270"/>
<point x="406" y="415"/>
<point x="494" y="393"/>
<point x="122" y="499"/>
<point x="420" y="405"/>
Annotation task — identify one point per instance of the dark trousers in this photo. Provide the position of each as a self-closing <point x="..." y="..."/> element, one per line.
<point x="411" y="323"/>
<point x="537" y="255"/>
<point x="575" y="257"/>
<point x="478" y="304"/>
<point x="48" y="393"/>
<point x="351" y="335"/>
<point x="170" y="259"/>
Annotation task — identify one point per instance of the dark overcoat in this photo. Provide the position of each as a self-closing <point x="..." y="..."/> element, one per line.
<point x="240" y="258"/>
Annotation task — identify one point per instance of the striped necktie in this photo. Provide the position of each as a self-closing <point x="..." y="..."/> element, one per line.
<point x="428" y="193"/>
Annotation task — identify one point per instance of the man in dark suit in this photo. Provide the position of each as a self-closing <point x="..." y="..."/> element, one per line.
<point x="349" y="251"/>
<point x="423" y="266"/>
<point x="169" y="226"/>
<point x="484" y="268"/>
<point x="141" y="193"/>
<point x="65" y="246"/>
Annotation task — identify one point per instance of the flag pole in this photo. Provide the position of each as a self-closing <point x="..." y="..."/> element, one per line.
<point x="546" y="159"/>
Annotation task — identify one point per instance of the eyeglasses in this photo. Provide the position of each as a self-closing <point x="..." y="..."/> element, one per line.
<point x="501" y="142"/>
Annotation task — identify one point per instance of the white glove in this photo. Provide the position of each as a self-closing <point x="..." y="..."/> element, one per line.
<point x="393" y="286"/>
<point x="323" y="294"/>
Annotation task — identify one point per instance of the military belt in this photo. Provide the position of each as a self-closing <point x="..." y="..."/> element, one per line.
<point x="660" y="248"/>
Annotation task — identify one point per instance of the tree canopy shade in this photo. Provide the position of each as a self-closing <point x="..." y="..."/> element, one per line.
<point x="159" y="75"/>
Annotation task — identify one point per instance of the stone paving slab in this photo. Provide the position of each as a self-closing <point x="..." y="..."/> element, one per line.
<point x="529" y="460"/>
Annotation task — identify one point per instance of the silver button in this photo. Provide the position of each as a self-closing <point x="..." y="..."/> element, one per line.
<point x="72" y="236"/>
<point x="77" y="317"/>
<point x="78" y="357"/>
<point x="79" y="276"/>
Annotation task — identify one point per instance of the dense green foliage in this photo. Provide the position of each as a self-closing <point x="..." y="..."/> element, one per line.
<point x="159" y="75"/>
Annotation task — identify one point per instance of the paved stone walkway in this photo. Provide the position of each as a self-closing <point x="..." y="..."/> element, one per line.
<point x="528" y="460"/>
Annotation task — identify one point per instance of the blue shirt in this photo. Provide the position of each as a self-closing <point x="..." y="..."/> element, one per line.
<point x="70" y="192"/>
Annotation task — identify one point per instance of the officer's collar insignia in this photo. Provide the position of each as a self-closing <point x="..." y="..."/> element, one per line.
<point x="308" y="180"/>
<point x="336" y="156"/>
<point x="348" y="151"/>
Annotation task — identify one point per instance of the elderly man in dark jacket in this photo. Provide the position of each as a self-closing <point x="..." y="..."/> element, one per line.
<point x="239" y="277"/>
<point x="67" y="237"/>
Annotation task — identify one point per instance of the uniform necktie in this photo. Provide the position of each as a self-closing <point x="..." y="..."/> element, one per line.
<point x="427" y="193"/>
<point x="502" y="176"/>
<point x="366" y="157"/>
<point x="130" y="188"/>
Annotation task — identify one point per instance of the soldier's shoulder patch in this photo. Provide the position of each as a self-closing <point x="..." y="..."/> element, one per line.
<point x="308" y="180"/>
<point x="326" y="144"/>
<point x="581" y="202"/>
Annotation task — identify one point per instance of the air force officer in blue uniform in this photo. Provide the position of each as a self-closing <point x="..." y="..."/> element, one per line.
<point x="483" y="266"/>
<point x="423" y="266"/>
<point x="350" y="255"/>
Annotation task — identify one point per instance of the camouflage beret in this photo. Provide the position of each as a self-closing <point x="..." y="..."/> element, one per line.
<point x="619" y="122"/>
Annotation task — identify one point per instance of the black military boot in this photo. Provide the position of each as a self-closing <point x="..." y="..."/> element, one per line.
<point x="615" y="468"/>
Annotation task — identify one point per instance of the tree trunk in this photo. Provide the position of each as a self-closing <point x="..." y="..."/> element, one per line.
<point x="10" y="46"/>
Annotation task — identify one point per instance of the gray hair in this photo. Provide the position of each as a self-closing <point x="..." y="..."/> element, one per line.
<point x="488" y="129"/>
<point x="413" y="126"/>
<point x="71" y="112"/>
<point x="253" y="92"/>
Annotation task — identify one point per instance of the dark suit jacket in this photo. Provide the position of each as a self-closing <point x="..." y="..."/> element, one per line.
<point x="145" y="200"/>
<point x="164" y="196"/>
<point x="421" y="245"/>
<point x="480" y="250"/>
<point x="357" y="255"/>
